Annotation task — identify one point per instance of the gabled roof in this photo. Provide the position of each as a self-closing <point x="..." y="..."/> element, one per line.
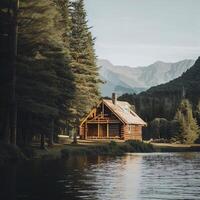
<point x="122" y="110"/>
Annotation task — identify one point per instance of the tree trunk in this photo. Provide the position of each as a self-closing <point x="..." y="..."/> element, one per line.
<point x="13" y="55"/>
<point x="75" y="137"/>
<point x="42" y="141"/>
<point x="75" y="131"/>
<point x="13" y="124"/>
<point x="51" y="142"/>
<point x="6" y="130"/>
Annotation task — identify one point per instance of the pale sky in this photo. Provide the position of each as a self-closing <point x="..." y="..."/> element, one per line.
<point x="140" y="32"/>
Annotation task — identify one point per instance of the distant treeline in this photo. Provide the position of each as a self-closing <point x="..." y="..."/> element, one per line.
<point x="172" y="110"/>
<point x="57" y="78"/>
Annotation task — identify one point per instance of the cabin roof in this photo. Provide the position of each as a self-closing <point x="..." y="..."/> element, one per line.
<point x="123" y="111"/>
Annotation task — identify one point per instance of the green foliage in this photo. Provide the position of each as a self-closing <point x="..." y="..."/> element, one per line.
<point x="57" y="77"/>
<point x="163" y="100"/>
<point x="188" y="127"/>
<point x="44" y="77"/>
<point x="28" y="151"/>
<point x="138" y="146"/>
<point x="5" y="68"/>
<point x="161" y="128"/>
<point x="83" y="62"/>
<point x="197" y="113"/>
<point x="111" y="148"/>
<point x="10" y="153"/>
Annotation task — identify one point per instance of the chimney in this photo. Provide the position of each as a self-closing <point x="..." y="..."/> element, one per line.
<point x="114" y="98"/>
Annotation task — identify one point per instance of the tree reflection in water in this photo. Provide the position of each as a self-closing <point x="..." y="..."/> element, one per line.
<point x="8" y="182"/>
<point x="133" y="176"/>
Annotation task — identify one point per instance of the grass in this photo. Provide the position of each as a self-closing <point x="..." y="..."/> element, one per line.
<point x="10" y="154"/>
<point x="87" y="148"/>
<point x="166" y="147"/>
<point x="112" y="148"/>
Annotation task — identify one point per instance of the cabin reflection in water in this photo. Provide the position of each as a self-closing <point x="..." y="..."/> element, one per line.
<point x="112" y="119"/>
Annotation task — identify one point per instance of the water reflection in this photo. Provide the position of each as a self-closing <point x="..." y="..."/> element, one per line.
<point x="172" y="176"/>
<point x="130" y="177"/>
<point x="8" y="183"/>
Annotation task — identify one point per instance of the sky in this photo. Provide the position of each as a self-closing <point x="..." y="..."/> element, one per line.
<point x="141" y="32"/>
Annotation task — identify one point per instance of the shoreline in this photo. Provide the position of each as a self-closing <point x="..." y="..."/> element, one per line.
<point x="10" y="154"/>
<point x="87" y="148"/>
<point x="110" y="148"/>
<point x="167" y="147"/>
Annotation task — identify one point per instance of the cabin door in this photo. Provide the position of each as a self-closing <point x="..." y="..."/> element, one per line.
<point x="102" y="130"/>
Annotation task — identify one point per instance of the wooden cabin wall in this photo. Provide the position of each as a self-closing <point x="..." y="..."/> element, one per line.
<point x="137" y="132"/>
<point x="132" y="132"/>
<point x="101" y="116"/>
<point x="124" y="132"/>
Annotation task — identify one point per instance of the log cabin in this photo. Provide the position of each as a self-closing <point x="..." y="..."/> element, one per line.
<point x="112" y="119"/>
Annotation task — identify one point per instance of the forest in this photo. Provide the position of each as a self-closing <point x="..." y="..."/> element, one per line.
<point x="49" y="78"/>
<point x="172" y="110"/>
<point x="48" y="75"/>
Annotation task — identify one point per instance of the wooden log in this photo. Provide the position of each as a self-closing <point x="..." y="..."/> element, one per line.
<point x="98" y="130"/>
<point x="107" y="130"/>
<point x="86" y="130"/>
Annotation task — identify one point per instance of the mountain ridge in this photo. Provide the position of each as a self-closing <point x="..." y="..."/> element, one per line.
<point x="137" y="79"/>
<point x="162" y="101"/>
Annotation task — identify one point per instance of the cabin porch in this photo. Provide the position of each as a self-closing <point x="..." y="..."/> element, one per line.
<point x="109" y="129"/>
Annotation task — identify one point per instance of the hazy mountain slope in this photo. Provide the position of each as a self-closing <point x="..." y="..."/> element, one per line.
<point x="162" y="100"/>
<point x="123" y="79"/>
<point x="189" y="80"/>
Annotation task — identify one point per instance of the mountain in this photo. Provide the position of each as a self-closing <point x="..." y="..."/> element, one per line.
<point x="124" y="79"/>
<point x="188" y="83"/>
<point x="162" y="100"/>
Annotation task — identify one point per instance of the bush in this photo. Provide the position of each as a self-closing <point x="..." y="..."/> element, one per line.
<point x="28" y="152"/>
<point x="138" y="146"/>
<point x="161" y="140"/>
<point x="10" y="153"/>
<point x="112" y="148"/>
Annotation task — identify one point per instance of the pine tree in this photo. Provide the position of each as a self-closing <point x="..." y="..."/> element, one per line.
<point x="8" y="52"/>
<point x="57" y="76"/>
<point x="4" y="71"/>
<point x="197" y="113"/>
<point x="45" y="81"/>
<point x="188" y="127"/>
<point x="83" y="62"/>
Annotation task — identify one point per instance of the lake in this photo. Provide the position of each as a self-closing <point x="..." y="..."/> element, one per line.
<point x="130" y="177"/>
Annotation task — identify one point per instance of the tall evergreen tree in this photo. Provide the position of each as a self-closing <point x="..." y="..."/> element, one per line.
<point x="57" y="76"/>
<point x="4" y="72"/>
<point x="8" y="52"/>
<point x="188" y="127"/>
<point x="83" y="62"/>
<point x="45" y="81"/>
<point x="197" y="113"/>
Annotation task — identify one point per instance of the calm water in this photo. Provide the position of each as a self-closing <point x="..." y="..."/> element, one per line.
<point x="130" y="177"/>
